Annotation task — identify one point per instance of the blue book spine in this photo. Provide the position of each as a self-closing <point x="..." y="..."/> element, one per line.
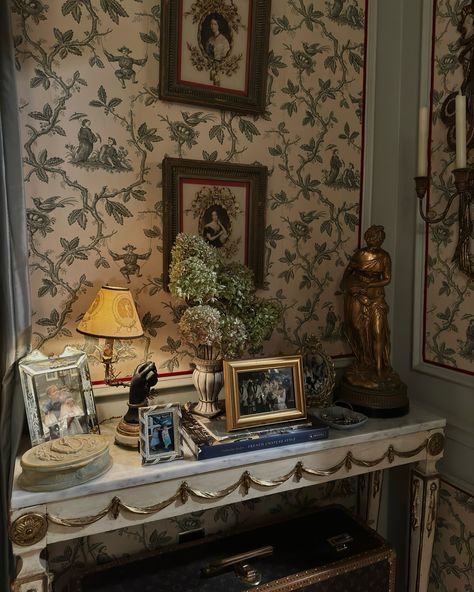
<point x="204" y="451"/>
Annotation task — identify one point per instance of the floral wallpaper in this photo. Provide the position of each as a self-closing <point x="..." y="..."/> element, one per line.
<point x="449" y="294"/>
<point x="95" y="134"/>
<point x="82" y="554"/>
<point x="452" y="566"/>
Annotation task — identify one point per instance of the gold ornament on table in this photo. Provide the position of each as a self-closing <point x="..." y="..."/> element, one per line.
<point x="370" y="384"/>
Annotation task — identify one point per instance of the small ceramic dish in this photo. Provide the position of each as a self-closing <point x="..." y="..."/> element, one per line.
<point x="341" y="418"/>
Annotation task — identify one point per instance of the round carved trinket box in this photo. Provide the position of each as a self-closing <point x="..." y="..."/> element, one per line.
<point x="64" y="462"/>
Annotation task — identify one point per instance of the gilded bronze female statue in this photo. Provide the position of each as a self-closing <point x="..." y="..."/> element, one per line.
<point x="366" y="327"/>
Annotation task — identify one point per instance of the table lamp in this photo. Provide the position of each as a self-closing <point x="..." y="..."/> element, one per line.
<point x="112" y="315"/>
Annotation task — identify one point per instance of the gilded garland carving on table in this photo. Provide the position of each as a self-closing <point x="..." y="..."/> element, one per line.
<point x="415" y="494"/>
<point x="432" y="508"/>
<point x="245" y="482"/>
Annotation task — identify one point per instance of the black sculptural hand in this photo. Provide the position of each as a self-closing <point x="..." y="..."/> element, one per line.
<point x="144" y="377"/>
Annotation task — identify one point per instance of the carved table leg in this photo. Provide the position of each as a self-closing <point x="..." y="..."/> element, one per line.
<point x="28" y="536"/>
<point x="32" y="576"/>
<point x="369" y="490"/>
<point x="423" y="507"/>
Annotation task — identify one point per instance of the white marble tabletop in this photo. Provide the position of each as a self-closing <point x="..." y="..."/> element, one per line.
<point x="127" y="470"/>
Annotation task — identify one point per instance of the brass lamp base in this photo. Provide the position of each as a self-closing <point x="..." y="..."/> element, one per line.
<point x="127" y="434"/>
<point x="375" y="402"/>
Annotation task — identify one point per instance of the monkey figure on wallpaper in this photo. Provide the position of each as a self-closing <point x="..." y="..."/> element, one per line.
<point x="366" y="313"/>
<point x="143" y="379"/>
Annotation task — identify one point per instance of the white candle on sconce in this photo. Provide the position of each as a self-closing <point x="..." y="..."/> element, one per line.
<point x="422" y="170"/>
<point x="460" y="131"/>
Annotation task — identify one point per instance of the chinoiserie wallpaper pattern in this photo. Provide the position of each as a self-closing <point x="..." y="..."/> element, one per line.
<point x="94" y="140"/>
<point x="68" y="560"/>
<point x="449" y="301"/>
<point x="453" y="552"/>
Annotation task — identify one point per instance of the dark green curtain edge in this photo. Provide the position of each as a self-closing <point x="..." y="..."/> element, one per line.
<point x="15" y="312"/>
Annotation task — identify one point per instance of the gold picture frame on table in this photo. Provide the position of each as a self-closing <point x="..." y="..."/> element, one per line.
<point x="263" y="391"/>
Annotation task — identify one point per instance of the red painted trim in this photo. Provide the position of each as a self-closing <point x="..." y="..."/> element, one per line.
<point x="428" y="197"/>
<point x="428" y="193"/>
<point x="160" y="375"/>
<point x="364" y="100"/>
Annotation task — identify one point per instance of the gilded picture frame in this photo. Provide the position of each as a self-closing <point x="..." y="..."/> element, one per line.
<point x="263" y="391"/>
<point x="319" y="373"/>
<point x="58" y="395"/>
<point x="160" y="433"/>
<point x="224" y="203"/>
<point x="215" y="54"/>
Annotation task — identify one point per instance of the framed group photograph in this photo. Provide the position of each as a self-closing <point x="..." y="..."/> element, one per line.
<point x="224" y="203"/>
<point x="263" y="391"/>
<point x="215" y="53"/>
<point x="160" y="433"/>
<point x="58" y="395"/>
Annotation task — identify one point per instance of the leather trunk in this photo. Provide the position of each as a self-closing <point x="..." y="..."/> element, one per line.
<point x="326" y="551"/>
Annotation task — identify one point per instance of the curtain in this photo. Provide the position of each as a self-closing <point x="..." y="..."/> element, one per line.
<point x="15" y="313"/>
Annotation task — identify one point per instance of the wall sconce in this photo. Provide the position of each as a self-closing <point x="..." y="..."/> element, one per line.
<point x="463" y="181"/>
<point x="112" y="315"/>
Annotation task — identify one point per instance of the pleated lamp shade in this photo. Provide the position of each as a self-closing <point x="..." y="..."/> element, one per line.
<point x="112" y="314"/>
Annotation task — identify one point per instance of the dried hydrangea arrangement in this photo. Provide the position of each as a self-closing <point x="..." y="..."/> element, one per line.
<point x="222" y="316"/>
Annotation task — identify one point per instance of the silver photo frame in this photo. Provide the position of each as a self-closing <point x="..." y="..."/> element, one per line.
<point x="58" y="395"/>
<point x="160" y="433"/>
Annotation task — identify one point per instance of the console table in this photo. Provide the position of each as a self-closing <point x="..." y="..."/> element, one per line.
<point x="130" y="493"/>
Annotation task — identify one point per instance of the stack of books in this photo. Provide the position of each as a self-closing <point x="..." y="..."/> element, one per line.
<point x="208" y="438"/>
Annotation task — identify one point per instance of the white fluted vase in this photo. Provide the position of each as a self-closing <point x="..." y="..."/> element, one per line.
<point x="208" y="378"/>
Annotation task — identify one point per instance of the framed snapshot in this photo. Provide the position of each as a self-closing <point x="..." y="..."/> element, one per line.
<point x="58" y="395"/>
<point x="215" y="53"/>
<point x="263" y="391"/>
<point x="224" y="203"/>
<point x="160" y="433"/>
<point x="319" y="374"/>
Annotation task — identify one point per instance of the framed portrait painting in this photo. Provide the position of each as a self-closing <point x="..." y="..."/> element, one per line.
<point x="263" y="391"/>
<point x="58" y="395"/>
<point x="224" y="203"/>
<point x="214" y="53"/>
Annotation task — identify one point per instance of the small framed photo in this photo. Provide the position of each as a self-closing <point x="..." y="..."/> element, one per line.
<point x="160" y="433"/>
<point x="263" y="391"/>
<point x="319" y="374"/>
<point x="224" y="203"/>
<point x="215" y="53"/>
<point x="58" y="395"/>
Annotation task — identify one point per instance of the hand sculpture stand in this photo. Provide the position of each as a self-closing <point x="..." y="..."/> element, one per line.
<point x="128" y="430"/>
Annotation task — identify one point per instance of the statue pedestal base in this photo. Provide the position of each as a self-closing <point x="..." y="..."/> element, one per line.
<point x="127" y="434"/>
<point x="375" y="402"/>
